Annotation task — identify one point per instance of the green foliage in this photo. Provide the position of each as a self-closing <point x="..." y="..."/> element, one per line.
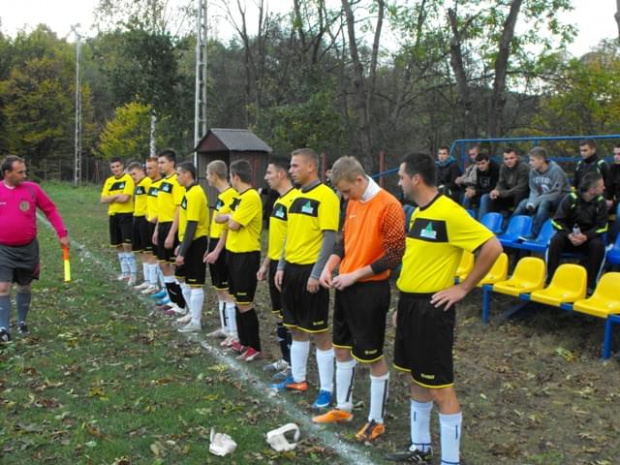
<point x="127" y="135"/>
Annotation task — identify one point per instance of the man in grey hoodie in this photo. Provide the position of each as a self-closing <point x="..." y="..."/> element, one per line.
<point x="548" y="184"/>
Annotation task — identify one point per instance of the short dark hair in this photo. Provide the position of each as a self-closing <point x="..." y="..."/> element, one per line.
<point x="243" y="169"/>
<point x="7" y="163"/>
<point x="135" y="165"/>
<point x="444" y="147"/>
<point x="281" y="163"/>
<point x="482" y="156"/>
<point x="539" y="152"/>
<point x="188" y="167"/>
<point x="589" y="142"/>
<point x="169" y="154"/>
<point x="422" y="164"/>
<point x="589" y="180"/>
<point x="308" y="153"/>
<point x="117" y="160"/>
<point x="510" y="150"/>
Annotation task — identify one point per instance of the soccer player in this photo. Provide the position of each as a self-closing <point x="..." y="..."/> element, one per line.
<point x="141" y="241"/>
<point x="19" y="248"/>
<point x="169" y="197"/>
<point x="440" y="231"/>
<point x="243" y="257"/>
<point x="153" y="272"/>
<point x="117" y="194"/>
<point x="217" y="176"/>
<point x="193" y="231"/>
<point x="310" y="238"/>
<point x="372" y="244"/>
<point x="278" y="179"/>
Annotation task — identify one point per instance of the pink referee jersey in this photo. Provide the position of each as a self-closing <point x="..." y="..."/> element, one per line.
<point x="18" y="208"/>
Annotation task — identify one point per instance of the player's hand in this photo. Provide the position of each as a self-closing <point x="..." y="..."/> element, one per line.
<point x="494" y="194"/>
<point x="313" y="285"/>
<point x="64" y="241"/>
<point x="176" y="249"/>
<point x="325" y="279"/>
<point x="169" y="242"/>
<point x="211" y="257"/>
<point x="179" y="261"/>
<point x="448" y="297"/>
<point x="343" y="281"/>
<point x="277" y="279"/>
<point x="261" y="274"/>
<point x="154" y="239"/>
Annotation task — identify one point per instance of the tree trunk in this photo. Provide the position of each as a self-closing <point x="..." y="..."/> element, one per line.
<point x="498" y="99"/>
<point x="458" y="67"/>
<point x="617" y="16"/>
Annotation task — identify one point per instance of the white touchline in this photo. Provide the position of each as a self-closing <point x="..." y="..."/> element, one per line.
<point x="349" y="452"/>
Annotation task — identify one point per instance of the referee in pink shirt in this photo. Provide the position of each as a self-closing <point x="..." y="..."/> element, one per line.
<point x="19" y="248"/>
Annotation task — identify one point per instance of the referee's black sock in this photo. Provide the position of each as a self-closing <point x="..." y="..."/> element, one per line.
<point x="242" y="333"/>
<point x="284" y="339"/>
<point x="251" y="329"/>
<point x="176" y="294"/>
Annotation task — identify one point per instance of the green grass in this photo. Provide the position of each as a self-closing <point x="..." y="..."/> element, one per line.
<point x="99" y="381"/>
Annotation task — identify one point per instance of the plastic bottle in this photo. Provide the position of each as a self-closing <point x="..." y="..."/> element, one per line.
<point x="576" y="229"/>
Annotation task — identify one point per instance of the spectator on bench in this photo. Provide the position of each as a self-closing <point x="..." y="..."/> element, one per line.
<point x="469" y="176"/>
<point x="589" y="162"/>
<point x="487" y="175"/>
<point x="613" y="191"/>
<point x="581" y="221"/>
<point x="448" y="170"/>
<point x="511" y="188"/>
<point x="548" y="183"/>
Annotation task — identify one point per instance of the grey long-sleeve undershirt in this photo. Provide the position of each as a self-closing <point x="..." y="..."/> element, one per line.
<point x="327" y="248"/>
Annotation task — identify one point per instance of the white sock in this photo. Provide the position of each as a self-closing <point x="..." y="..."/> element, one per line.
<point x="124" y="265"/>
<point x="231" y="319"/>
<point x="187" y="292"/>
<point x="345" y="373"/>
<point x="325" y="361"/>
<point x="421" y="425"/>
<point x="161" y="277"/>
<point x="379" y="388"/>
<point x="195" y="305"/>
<point x="299" y="360"/>
<point x="153" y="278"/>
<point x="145" y="272"/>
<point x="221" y="308"/>
<point x="131" y="262"/>
<point x="450" y="427"/>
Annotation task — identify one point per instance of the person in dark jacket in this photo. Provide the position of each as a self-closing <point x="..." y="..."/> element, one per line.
<point x="487" y="175"/>
<point x="589" y="162"/>
<point x="511" y="188"/>
<point x="612" y="189"/>
<point x="580" y="222"/>
<point x="448" y="170"/>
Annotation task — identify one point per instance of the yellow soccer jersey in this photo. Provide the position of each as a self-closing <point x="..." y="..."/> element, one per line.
<point x="169" y="196"/>
<point x="194" y="207"/>
<point x="278" y="223"/>
<point x="437" y="237"/>
<point x="115" y="186"/>
<point x="247" y="210"/>
<point x="151" y="200"/>
<point x="224" y="201"/>
<point x="310" y="214"/>
<point x="141" y="193"/>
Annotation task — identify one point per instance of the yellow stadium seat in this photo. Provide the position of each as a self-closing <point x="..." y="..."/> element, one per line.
<point x="606" y="298"/>
<point x="529" y="276"/>
<point x="466" y="265"/>
<point x="498" y="272"/>
<point x="568" y="285"/>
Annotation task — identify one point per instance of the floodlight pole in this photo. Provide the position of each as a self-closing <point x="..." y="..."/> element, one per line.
<point x="77" y="168"/>
<point x="200" y="109"/>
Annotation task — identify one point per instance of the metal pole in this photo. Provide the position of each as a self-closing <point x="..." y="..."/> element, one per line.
<point x="77" y="169"/>
<point x="200" y="109"/>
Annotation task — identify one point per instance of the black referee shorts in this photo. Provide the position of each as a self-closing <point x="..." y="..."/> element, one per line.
<point x="242" y="269"/>
<point x="424" y="340"/>
<point x="274" y="293"/>
<point x="150" y="246"/>
<point x="194" y="270"/>
<point x="19" y="264"/>
<point x="359" y="319"/>
<point x="219" y="269"/>
<point x="140" y="234"/>
<point x="164" y="254"/>
<point x="121" y="229"/>
<point x="302" y="310"/>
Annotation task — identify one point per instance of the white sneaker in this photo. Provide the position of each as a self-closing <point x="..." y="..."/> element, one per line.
<point x="131" y="280"/>
<point x="142" y="286"/>
<point x="220" y="333"/>
<point x="121" y="277"/>
<point x="183" y="320"/>
<point x="279" y="365"/>
<point x="149" y="289"/>
<point x="190" y="328"/>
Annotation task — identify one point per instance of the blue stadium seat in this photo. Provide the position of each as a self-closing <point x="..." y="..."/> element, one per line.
<point x="493" y="221"/>
<point x="541" y="242"/>
<point x="519" y="225"/>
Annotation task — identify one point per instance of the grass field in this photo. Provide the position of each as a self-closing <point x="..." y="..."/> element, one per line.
<point x="101" y="380"/>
